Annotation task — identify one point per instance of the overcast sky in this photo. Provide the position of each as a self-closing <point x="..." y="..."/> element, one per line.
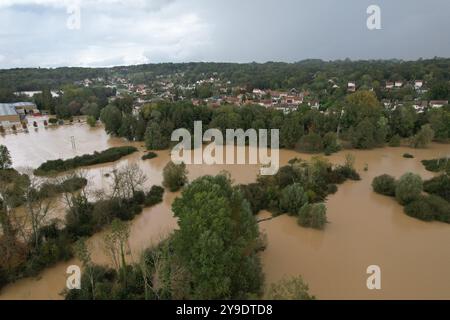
<point x="35" y="33"/>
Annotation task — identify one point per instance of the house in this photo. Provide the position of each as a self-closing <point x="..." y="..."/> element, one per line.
<point x="398" y="84"/>
<point x="266" y="103"/>
<point x="314" y="104"/>
<point x="418" y="84"/>
<point x="351" y="86"/>
<point x="389" y="85"/>
<point x="292" y="100"/>
<point x="420" y="106"/>
<point x="8" y="115"/>
<point x="259" y="92"/>
<point x="438" y="103"/>
<point x="24" y="108"/>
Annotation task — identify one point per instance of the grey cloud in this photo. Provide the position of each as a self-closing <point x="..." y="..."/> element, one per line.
<point x="34" y="33"/>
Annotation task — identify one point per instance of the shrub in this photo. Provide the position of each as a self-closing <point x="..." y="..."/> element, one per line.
<point x="256" y="196"/>
<point x="313" y="216"/>
<point x="439" y="186"/>
<point x="289" y="289"/>
<point x="408" y="188"/>
<point x="395" y="141"/>
<point x="150" y="155"/>
<point x="437" y="165"/>
<point x="53" y="121"/>
<point x="311" y="142"/>
<point x="330" y="143"/>
<point x="423" y="138"/>
<point x="109" y="155"/>
<point x="293" y="197"/>
<point x="154" y="196"/>
<point x="408" y="156"/>
<point x="175" y="176"/>
<point x="429" y="208"/>
<point x="385" y="185"/>
<point x="91" y="121"/>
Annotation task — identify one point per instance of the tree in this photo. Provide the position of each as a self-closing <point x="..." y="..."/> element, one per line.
<point x="116" y="244"/>
<point x="423" y="138"/>
<point x="362" y="137"/>
<point x="83" y="254"/>
<point x="385" y="185"/>
<point x="217" y="240"/>
<point x="111" y="116"/>
<point x="91" y="121"/>
<point x="313" y="216"/>
<point x="127" y="181"/>
<point x="5" y="158"/>
<point x="440" y="123"/>
<point x="174" y="176"/>
<point x="312" y="142"/>
<point x="409" y="187"/>
<point x="289" y="289"/>
<point x="293" y="197"/>
<point x="155" y="139"/>
<point x="38" y="207"/>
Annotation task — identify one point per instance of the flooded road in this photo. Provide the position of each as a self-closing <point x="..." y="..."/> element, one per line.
<point x="365" y="228"/>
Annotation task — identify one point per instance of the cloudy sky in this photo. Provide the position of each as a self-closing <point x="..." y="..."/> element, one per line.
<point x="36" y="33"/>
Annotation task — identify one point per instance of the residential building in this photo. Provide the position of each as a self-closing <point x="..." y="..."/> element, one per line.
<point x="438" y="103"/>
<point x="8" y="115"/>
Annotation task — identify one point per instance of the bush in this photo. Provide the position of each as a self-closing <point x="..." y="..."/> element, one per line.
<point x="175" y="176"/>
<point x="109" y="155"/>
<point x="256" y="196"/>
<point x="341" y="173"/>
<point x="408" y="188"/>
<point x="408" y="156"/>
<point x="439" y="186"/>
<point x="311" y="142"/>
<point x="289" y="289"/>
<point x="437" y="165"/>
<point x="429" y="208"/>
<point x="53" y="121"/>
<point x="423" y="138"/>
<point x="148" y="156"/>
<point x="395" y="141"/>
<point x="385" y="185"/>
<point x="330" y="143"/>
<point x="293" y="197"/>
<point x="154" y="196"/>
<point x="313" y="216"/>
<point x="91" y="121"/>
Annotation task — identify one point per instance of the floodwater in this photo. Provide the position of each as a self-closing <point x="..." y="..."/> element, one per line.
<point x="365" y="228"/>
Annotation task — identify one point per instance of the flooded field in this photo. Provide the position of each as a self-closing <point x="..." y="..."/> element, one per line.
<point x="365" y="228"/>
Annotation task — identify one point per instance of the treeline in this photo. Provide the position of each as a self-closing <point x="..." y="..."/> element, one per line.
<point x="212" y="255"/>
<point x="59" y="165"/>
<point x="311" y="74"/>
<point x="360" y="121"/>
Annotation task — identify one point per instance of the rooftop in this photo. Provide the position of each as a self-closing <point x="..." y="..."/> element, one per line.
<point x="7" y="109"/>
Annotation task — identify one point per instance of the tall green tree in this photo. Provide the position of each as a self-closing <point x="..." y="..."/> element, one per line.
<point x="111" y="117"/>
<point x="217" y="240"/>
<point x="5" y="158"/>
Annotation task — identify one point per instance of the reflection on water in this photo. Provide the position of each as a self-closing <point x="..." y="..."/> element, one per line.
<point x="364" y="229"/>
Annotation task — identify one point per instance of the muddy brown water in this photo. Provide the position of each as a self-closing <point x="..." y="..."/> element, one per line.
<point x="365" y="228"/>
